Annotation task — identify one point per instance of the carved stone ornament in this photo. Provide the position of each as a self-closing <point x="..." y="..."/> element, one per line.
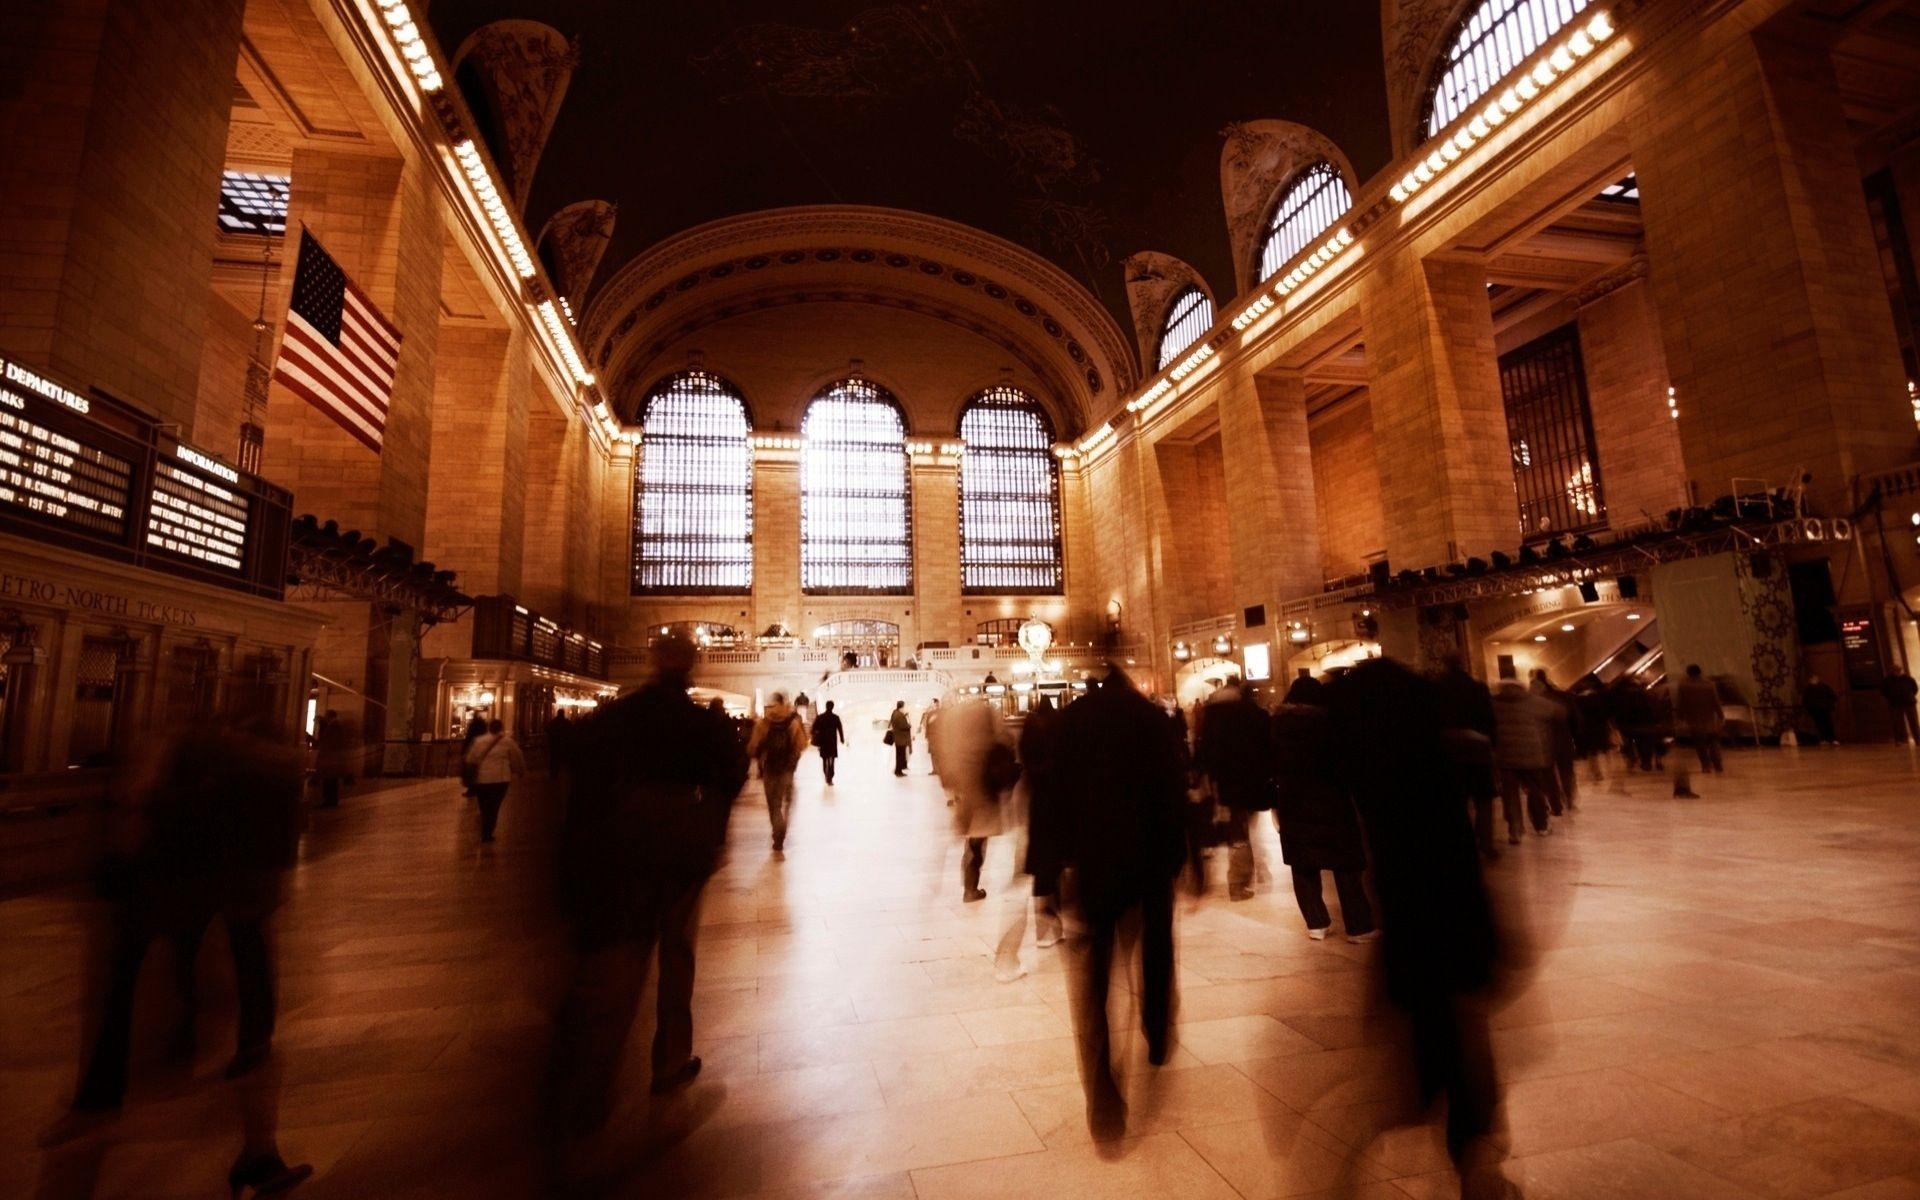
<point x="522" y="69"/>
<point x="1412" y="33"/>
<point x="572" y="243"/>
<point x="1153" y="279"/>
<point x="1258" y="159"/>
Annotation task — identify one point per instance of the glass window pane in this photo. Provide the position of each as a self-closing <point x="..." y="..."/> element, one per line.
<point x="1188" y="319"/>
<point x="855" y="518"/>
<point x="693" y="490"/>
<point x="1550" y="427"/>
<point x="1493" y="39"/>
<point x="1009" y="496"/>
<point x="1310" y="206"/>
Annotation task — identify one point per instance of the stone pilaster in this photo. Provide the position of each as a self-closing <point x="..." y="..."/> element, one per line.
<point x="1273" y="534"/>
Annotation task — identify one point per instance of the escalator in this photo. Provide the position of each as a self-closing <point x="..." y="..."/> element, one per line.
<point x="1640" y="658"/>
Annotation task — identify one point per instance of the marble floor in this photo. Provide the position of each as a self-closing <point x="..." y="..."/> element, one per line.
<point x="1719" y="998"/>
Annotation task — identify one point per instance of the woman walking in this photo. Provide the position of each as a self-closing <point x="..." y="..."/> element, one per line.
<point x="496" y="762"/>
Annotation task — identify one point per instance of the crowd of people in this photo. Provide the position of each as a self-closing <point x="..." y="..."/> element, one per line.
<point x="1383" y="777"/>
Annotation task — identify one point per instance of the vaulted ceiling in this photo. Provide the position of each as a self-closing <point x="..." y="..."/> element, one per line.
<point x="1084" y="130"/>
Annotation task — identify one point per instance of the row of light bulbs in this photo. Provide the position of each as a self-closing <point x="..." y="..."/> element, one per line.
<point x="557" y="326"/>
<point x="936" y="449"/>
<point x="1550" y="68"/>
<point x="412" y="47"/>
<point x="498" y="214"/>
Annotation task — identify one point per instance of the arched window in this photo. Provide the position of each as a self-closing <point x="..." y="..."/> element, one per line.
<point x="693" y="490"/>
<point x="1188" y="319"/>
<point x="1495" y="37"/>
<point x="855" y="528"/>
<point x="1009" y="496"/>
<point x="1315" y="199"/>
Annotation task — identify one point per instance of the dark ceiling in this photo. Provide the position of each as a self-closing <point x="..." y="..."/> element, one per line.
<point x="1083" y="129"/>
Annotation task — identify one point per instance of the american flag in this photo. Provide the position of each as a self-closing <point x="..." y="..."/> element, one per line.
<point x="338" y="352"/>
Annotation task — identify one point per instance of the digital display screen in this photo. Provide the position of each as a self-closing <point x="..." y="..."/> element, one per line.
<point x="194" y="517"/>
<point x="56" y="477"/>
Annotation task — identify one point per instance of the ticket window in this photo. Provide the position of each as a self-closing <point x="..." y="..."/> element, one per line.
<point x="98" y="692"/>
<point x="189" y="686"/>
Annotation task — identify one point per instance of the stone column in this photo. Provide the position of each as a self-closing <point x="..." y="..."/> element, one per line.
<point x="477" y="476"/>
<point x="556" y="505"/>
<point x="935" y="483"/>
<point x="116" y="118"/>
<point x="776" y="540"/>
<point x="1273" y="532"/>
<point x="1636" y="444"/>
<point x="1439" y="425"/>
<point x="1765" y="274"/>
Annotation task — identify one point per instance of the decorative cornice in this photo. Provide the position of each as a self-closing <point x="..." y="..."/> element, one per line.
<point x="1631" y="271"/>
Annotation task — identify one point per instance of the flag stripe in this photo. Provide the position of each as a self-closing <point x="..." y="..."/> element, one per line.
<point x="337" y="351"/>
<point x="338" y="369"/>
<point x="318" y="379"/>
<point x="366" y="438"/>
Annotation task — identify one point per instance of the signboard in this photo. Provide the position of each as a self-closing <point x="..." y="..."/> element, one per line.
<point x="1257" y="656"/>
<point x="91" y="473"/>
<point x="1860" y="649"/>
<point x="54" y="468"/>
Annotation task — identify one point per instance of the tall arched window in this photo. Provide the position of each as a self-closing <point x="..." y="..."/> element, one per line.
<point x="1188" y="319"/>
<point x="1495" y="37"/>
<point x="1009" y="496"/>
<point x="693" y="490"/>
<point x="855" y="528"/>
<point x="1315" y="199"/>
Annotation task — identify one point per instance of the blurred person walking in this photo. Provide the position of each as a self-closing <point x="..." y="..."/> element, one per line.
<point x="1564" y="739"/>
<point x="1046" y="815"/>
<point x="1319" y="828"/>
<point x="1901" y="693"/>
<point x="775" y="746"/>
<point x="828" y="736"/>
<point x="1594" y="736"/>
<point x="1820" y="701"/>
<point x="1123" y="787"/>
<point x="1523" y="756"/>
<point x="900" y="737"/>
<point x="1467" y="714"/>
<point x="496" y="761"/>
<point x="654" y="785"/>
<point x="557" y="731"/>
<point x="1635" y="718"/>
<point x="476" y="729"/>
<point x="1236" y="752"/>
<point x="979" y="769"/>
<point x="1700" y="717"/>
<point x="333" y="754"/>
<point x="1439" y="951"/>
<point x="929" y="721"/>
<point x="210" y="826"/>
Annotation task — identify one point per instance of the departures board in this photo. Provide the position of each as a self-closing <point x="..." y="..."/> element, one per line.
<point x="95" y="474"/>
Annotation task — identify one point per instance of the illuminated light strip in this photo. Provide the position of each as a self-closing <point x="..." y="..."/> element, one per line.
<point x="412" y="47"/>
<point x="777" y="441"/>
<point x="1553" y="64"/>
<point x="1097" y="439"/>
<point x="550" y="316"/>
<point x="497" y="212"/>
<point x="938" y="449"/>
<point x="1260" y="305"/>
<point x="1191" y="362"/>
<point x="1330" y="250"/>
<point x="1149" y="396"/>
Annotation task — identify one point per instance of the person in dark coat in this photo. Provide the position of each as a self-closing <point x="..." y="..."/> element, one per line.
<point x="1638" y="723"/>
<point x="654" y="784"/>
<point x="476" y="729"/>
<point x="1236" y="752"/>
<point x="333" y="746"/>
<point x="1901" y="693"/>
<point x="1305" y="689"/>
<point x="828" y="736"/>
<point x="1046" y="816"/>
<point x="1439" y="951"/>
<point x="1467" y="714"/>
<point x="1820" y="701"/>
<point x="1319" y="829"/>
<point x="1123" y="785"/>
<point x="558" y="731"/>
<point x="1698" y="713"/>
<point x="1565" y="736"/>
<point x="1593" y="737"/>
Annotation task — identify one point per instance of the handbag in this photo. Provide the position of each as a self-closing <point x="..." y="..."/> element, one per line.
<point x="889" y="738"/>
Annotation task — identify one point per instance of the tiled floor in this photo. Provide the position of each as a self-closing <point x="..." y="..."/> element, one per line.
<point x="1721" y="998"/>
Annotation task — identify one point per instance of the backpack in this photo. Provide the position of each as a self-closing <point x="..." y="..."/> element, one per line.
<point x="778" y="753"/>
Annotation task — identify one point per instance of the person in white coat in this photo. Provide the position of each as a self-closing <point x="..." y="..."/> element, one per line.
<point x="496" y="761"/>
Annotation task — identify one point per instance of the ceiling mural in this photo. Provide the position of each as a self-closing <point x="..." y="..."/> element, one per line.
<point x="1256" y="161"/>
<point x="572" y="243"/>
<point x="515" y="74"/>
<point x="1075" y="135"/>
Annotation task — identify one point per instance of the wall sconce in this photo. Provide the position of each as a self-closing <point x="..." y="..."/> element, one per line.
<point x="1298" y="633"/>
<point x="1223" y="645"/>
<point x="1182" y="652"/>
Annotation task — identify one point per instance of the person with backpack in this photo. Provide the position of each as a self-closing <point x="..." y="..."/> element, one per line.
<point x="828" y="736"/>
<point x="776" y="746"/>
